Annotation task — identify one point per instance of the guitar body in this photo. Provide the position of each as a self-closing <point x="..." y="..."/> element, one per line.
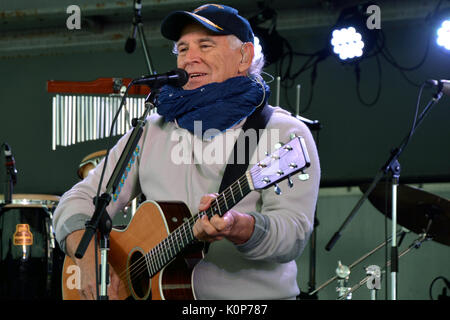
<point x="151" y="224"/>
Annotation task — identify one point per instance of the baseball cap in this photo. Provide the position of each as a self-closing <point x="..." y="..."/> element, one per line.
<point x="218" y="18"/>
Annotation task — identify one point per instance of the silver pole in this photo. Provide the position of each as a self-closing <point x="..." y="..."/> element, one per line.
<point x="297" y="105"/>
<point x="394" y="241"/>
<point x="54" y="123"/>
<point x="277" y="103"/>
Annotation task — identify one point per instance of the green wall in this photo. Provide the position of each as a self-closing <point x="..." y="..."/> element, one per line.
<point x="354" y="143"/>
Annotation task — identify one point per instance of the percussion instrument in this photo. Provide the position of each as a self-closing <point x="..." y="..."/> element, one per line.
<point x="90" y="162"/>
<point x="30" y="259"/>
<point x="418" y="210"/>
<point x="84" y="110"/>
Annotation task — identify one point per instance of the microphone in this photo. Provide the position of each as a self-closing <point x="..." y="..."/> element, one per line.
<point x="177" y="78"/>
<point x="130" y="44"/>
<point x="10" y="163"/>
<point x="443" y="85"/>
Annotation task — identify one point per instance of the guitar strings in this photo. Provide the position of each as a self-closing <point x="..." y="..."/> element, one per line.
<point x="166" y="248"/>
<point x="141" y="265"/>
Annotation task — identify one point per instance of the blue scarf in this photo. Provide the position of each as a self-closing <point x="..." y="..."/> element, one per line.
<point x="217" y="105"/>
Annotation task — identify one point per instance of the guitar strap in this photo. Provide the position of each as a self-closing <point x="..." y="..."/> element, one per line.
<point x="234" y="169"/>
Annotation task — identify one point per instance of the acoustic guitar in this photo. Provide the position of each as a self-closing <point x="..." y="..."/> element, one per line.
<point x="155" y="254"/>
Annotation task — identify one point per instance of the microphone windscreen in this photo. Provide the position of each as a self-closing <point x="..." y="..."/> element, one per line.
<point x="181" y="79"/>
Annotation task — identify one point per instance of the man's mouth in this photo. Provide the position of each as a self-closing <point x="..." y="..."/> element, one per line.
<point x="196" y="75"/>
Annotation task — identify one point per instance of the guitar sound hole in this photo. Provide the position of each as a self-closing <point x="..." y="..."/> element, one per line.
<point x="138" y="276"/>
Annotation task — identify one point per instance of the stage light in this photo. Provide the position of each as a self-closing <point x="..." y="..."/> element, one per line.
<point x="350" y="38"/>
<point x="347" y="43"/>
<point x="443" y="35"/>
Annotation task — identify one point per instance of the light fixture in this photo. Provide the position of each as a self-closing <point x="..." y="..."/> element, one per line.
<point x="443" y="35"/>
<point x="347" y="43"/>
<point x="350" y="38"/>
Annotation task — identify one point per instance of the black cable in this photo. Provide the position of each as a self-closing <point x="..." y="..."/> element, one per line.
<point x="312" y="84"/>
<point x="413" y="127"/>
<point x="358" y="78"/>
<point x="102" y="176"/>
<point x="384" y="51"/>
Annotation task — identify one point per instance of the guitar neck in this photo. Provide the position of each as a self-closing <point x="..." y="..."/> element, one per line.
<point x="180" y="238"/>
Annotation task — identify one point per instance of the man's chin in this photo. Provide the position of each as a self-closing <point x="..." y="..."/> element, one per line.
<point x="194" y="84"/>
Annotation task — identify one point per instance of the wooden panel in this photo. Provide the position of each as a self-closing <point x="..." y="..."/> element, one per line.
<point x="98" y="86"/>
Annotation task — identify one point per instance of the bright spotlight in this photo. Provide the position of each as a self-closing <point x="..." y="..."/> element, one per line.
<point x="443" y="35"/>
<point x="347" y="43"/>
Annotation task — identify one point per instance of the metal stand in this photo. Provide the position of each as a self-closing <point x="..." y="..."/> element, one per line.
<point x="313" y="125"/>
<point x="100" y="220"/>
<point x="395" y="170"/>
<point x="400" y="234"/>
<point x="343" y="274"/>
<point x="416" y="244"/>
<point x="11" y="174"/>
<point x="148" y="59"/>
<point x="391" y="166"/>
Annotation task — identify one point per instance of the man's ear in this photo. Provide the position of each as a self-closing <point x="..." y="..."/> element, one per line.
<point x="247" y="51"/>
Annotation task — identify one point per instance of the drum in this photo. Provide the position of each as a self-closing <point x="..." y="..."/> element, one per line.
<point x="90" y="162"/>
<point x="30" y="258"/>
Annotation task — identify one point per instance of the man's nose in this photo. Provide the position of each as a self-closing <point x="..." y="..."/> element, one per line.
<point x="192" y="55"/>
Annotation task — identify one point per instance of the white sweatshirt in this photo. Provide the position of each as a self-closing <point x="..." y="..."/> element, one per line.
<point x="174" y="164"/>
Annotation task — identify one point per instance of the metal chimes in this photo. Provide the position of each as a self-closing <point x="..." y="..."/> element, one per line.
<point x="84" y="111"/>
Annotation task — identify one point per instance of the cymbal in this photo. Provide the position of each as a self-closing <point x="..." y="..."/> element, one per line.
<point x="415" y="207"/>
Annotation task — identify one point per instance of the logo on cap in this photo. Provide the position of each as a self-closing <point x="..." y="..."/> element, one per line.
<point x="206" y="6"/>
<point x="205" y="20"/>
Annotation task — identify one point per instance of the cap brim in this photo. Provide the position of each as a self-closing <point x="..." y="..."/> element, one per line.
<point x="174" y="23"/>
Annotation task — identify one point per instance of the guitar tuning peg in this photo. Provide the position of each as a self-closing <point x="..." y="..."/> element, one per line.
<point x="277" y="189"/>
<point x="303" y="176"/>
<point x="290" y="183"/>
<point x="292" y="136"/>
<point x="278" y="145"/>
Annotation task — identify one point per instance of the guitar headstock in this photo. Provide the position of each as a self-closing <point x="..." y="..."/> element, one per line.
<point x="287" y="160"/>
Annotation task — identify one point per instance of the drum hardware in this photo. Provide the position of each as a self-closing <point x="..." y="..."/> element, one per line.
<point x="11" y="173"/>
<point x="401" y="233"/>
<point x="343" y="274"/>
<point x="415" y="244"/>
<point x="392" y="169"/>
<point x="51" y="244"/>
<point x="419" y="211"/>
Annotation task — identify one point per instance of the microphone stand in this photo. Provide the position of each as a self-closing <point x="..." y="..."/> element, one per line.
<point x="313" y="125"/>
<point x="100" y="220"/>
<point x="392" y="167"/>
<point x="148" y="59"/>
<point x="137" y="20"/>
